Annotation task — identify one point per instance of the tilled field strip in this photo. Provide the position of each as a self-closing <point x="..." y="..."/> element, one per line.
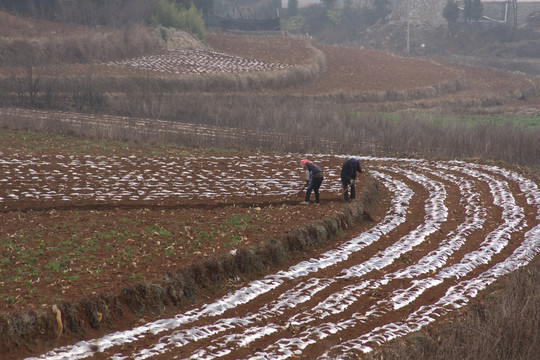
<point x="452" y="228"/>
<point x="198" y="61"/>
<point x="71" y="180"/>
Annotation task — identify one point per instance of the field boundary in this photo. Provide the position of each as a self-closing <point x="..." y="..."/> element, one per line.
<point x="72" y="79"/>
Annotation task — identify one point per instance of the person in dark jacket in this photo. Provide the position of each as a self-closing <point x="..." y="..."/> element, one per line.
<point x="348" y="177"/>
<point x="314" y="179"/>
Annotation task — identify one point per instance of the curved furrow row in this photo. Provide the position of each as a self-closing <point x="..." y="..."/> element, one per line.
<point x="396" y="215"/>
<point x="460" y="294"/>
<point x="436" y="214"/>
<point x="360" y="294"/>
<point x="102" y="179"/>
<point x="285" y="348"/>
<point x="290" y="298"/>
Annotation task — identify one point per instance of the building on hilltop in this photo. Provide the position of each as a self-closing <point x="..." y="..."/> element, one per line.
<point x="430" y="11"/>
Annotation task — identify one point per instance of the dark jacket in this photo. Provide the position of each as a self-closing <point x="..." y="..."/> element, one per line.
<point x="314" y="169"/>
<point x="348" y="172"/>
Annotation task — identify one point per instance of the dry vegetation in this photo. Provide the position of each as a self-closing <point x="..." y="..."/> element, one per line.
<point x="501" y="325"/>
<point x="80" y="45"/>
<point x="505" y="321"/>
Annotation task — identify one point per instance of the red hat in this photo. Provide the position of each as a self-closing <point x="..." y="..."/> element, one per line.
<point x="304" y="162"/>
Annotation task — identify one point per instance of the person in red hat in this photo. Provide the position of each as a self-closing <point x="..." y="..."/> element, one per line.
<point x="314" y="179"/>
<point x="348" y="177"/>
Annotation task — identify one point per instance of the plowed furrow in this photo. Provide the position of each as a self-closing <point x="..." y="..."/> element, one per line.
<point x="451" y="229"/>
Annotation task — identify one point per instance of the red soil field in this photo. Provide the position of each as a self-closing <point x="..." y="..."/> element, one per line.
<point x="91" y="223"/>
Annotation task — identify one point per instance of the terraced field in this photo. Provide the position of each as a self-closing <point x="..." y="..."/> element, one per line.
<point x="450" y="229"/>
<point x="198" y="61"/>
<point x="442" y="232"/>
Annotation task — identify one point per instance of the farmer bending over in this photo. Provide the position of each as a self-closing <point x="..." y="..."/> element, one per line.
<point x="348" y="176"/>
<point x="314" y="178"/>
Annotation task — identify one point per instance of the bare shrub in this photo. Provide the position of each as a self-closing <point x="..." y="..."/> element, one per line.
<point x="288" y="123"/>
<point x="92" y="45"/>
<point x="19" y="52"/>
<point x="146" y="98"/>
<point x="87" y="92"/>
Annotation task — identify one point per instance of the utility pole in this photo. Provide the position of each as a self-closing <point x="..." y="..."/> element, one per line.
<point x="408" y="27"/>
<point x="514" y="5"/>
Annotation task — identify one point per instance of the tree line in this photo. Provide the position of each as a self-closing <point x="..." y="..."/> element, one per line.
<point x="96" y="12"/>
<point x="472" y="10"/>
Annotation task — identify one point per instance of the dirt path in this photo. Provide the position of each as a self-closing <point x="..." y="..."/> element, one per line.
<point x="450" y="229"/>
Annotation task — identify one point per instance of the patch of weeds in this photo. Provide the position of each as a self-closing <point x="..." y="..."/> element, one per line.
<point x="164" y="233"/>
<point x="37" y="147"/>
<point x="129" y="255"/>
<point x="105" y="235"/>
<point x="109" y="260"/>
<point x="405" y="259"/>
<point x="205" y="237"/>
<point x="90" y="242"/>
<point x="28" y="347"/>
<point x="135" y="277"/>
<point x="55" y="265"/>
<point x="123" y="235"/>
<point x="34" y="271"/>
<point x="234" y="241"/>
<point x="156" y="230"/>
<point x="147" y="258"/>
<point x="237" y="221"/>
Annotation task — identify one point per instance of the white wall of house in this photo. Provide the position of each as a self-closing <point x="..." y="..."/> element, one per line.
<point x="301" y="3"/>
<point x="339" y="3"/>
<point x="430" y="11"/>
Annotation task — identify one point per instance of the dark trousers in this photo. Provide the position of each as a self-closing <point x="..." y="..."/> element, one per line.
<point x="314" y="184"/>
<point x="350" y="190"/>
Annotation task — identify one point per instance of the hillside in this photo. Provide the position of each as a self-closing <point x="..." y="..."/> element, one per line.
<point x="496" y="45"/>
<point x="153" y="203"/>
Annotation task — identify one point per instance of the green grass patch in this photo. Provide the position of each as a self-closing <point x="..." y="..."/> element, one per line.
<point x="498" y="121"/>
<point x="237" y="222"/>
<point x="468" y="121"/>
